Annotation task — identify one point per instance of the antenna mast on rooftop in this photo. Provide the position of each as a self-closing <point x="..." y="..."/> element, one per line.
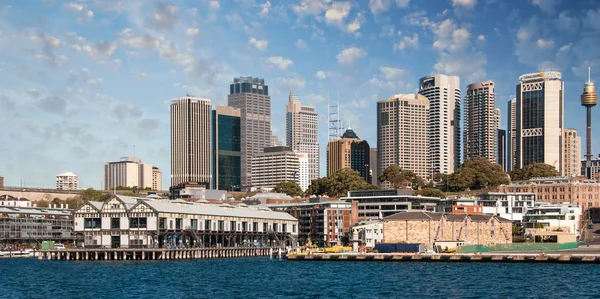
<point x="333" y="112"/>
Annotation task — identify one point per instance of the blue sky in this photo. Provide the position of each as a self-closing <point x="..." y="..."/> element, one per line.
<point x="82" y="82"/>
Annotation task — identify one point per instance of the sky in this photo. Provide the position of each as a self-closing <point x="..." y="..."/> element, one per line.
<point x="83" y="83"/>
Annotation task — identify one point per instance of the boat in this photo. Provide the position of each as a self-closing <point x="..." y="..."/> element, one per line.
<point x="17" y="253"/>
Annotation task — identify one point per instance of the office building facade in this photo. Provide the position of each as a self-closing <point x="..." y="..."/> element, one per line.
<point x="540" y="119"/>
<point x="302" y="132"/>
<point x="572" y="152"/>
<point x="190" y="140"/>
<point x="373" y="156"/>
<point x="130" y="172"/>
<point x="349" y="152"/>
<point x="226" y="149"/>
<point x="443" y="93"/>
<point x="501" y="148"/>
<point x="251" y="96"/>
<point x="274" y="165"/>
<point x="402" y="134"/>
<point x="304" y="172"/>
<point x="481" y="121"/>
<point x="511" y="138"/>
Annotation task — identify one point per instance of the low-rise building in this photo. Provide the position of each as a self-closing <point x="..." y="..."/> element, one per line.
<point x="195" y="190"/>
<point x="67" y="181"/>
<point x="10" y="201"/>
<point x="30" y="225"/>
<point x="427" y="227"/>
<point x="564" y="217"/>
<point x="368" y="233"/>
<point x="510" y="206"/>
<point x="124" y="221"/>
<point x="268" y="198"/>
<point x="593" y="171"/>
<point x="323" y="222"/>
<point x="376" y="204"/>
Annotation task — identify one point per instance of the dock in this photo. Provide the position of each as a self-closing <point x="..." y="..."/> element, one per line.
<point x="484" y="257"/>
<point x="113" y="254"/>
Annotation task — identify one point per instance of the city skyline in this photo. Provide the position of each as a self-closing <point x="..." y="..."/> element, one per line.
<point x="88" y="87"/>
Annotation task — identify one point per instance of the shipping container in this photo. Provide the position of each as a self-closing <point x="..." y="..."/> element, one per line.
<point x="398" y="247"/>
<point x="47" y="244"/>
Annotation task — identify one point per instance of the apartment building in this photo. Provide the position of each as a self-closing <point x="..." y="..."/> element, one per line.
<point x="67" y="181"/>
<point x="572" y="152"/>
<point x="275" y="165"/>
<point x="481" y="122"/>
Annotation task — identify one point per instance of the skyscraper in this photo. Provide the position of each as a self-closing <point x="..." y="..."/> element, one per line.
<point x="349" y="152"/>
<point x="226" y="154"/>
<point x="540" y="119"/>
<point x="274" y="165"/>
<point x="302" y="133"/>
<point x="572" y="152"/>
<point x="511" y="140"/>
<point x="402" y="135"/>
<point x="251" y="96"/>
<point x="373" y="156"/>
<point x="443" y="93"/>
<point x="501" y="147"/>
<point x="190" y="141"/>
<point x="481" y="121"/>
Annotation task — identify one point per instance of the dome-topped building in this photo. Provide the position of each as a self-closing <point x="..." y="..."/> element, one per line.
<point x="349" y="152"/>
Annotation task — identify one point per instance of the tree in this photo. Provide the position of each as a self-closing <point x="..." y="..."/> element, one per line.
<point x="399" y="177"/>
<point x="477" y="173"/>
<point x="92" y="195"/>
<point x="42" y="203"/>
<point x="318" y="187"/>
<point x="290" y="188"/>
<point x="430" y="192"/>
<point x="533" y="170"/>
<point x="339" y="183"/>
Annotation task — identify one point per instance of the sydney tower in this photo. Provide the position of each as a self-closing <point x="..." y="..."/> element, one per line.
<point x="589" y="99"/>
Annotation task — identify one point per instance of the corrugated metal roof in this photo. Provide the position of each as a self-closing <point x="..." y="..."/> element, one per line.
<point x="419" y="215"/>
<point x="35" y="211"/>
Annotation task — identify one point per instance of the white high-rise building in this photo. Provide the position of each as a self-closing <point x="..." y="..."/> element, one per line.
<point x="190" y="141"/>
<point x="572" y="152"/>
<point x="481" y="121"/>
<point x="402" y="136"/>
<point x="540" y="120"/>
<point x="302" y="133"/>
<point x="67" y="181"/>
<point x="511" y="139"/>
<point x="130" y="172"/>
<point x="303" y="174"/>
<point x="443" y="93"/>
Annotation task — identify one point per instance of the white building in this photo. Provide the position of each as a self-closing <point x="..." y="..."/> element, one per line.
<point x="131" y="172"/>
<point x="275" y="165"/>
<point x="368" y="233"/>
<point x="67" y="181"/>
<point x="9" y="201"/>
<point x="124" y="221"/>
<point x="540" y="120"/>
<point x="511" y="206"/>
<point x="565" y="216"/>
<point x="302" y="128"/>
<point x="443" y="93"/>
<point x="304" y="173"/>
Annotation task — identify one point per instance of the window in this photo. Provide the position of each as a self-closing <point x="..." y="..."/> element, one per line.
<point x="92" y="223"/>
<point x="115" y="223"/>
<point x="284" y="228"/>
<point x="178" y="223"/>
<point x="244" y="226"/>
<point x="206" y="224"/>
<point x="194" y="223"/>
<point x="254" y="226"/>
<point x="162" y="223"/>
<point x="293" y="228"/>
<point x="265" y="227"/>
<point x="275" y="227"/>
<point x="137" y="222"/>
<point x="221" y="226"/>
<point x="232" y="226"/>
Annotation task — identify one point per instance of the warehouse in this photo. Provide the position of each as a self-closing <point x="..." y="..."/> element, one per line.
<point x="428" y="227"/>
<point x="124" y="221"/>
<point x="31" y="225"/>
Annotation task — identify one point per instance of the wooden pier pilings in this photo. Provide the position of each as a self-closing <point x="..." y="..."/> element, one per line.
<point x="486" y="257"/>
<point x="103" y="254"/>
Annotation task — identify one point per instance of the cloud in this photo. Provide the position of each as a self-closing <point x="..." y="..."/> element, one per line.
<point x="391" y="73"/>
<point x="464" y="3"/>
<point x="547" y="6"/>
<point x="264" y="9"/>
<point x="73" y="6"/>
<point x="95" y="81"/>
<point x="259" y="44"/>
<point x="145" y="41"/>
<point x="565" y="48"/>
<point x="544" y="44"/>
<point x="301" y="44"/>
<point x="567" y="23"/>
<point x="192" y="31"/>
<point x="294" y="83"/>
<point x="6" y="104"/>
<point x="55" y="105"/>
<point x="408" y="42"/>
<point x="235" y="19"/>
<point x="100" y="49"/>
<point x="380" y="6"/>
<point x="164" y="17"/>
<point x="481" y="37"/>
<point x="311" y="7"/>
<point x="351" y="55"/>
<point x="338" y="12"/>
<point x="214" y="5"/>
<point x="279" y="62"/>
<point x="320" y="75"/>
<point x="592" y="19"/>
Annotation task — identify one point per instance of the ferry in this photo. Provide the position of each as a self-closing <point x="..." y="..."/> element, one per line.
<point x="18" y="253"/>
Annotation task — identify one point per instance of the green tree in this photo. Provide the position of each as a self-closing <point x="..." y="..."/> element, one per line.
<point x="344" y="180"/>
<point x="533" y="170"/>
<point x="290" y="188"/>
<point x="430" y="192"/>
<point x="485" y="173"/>
<point x="92" y="195"/>
<point x="399" y="177"/>
<point x="42" y="203"/>
<point x="318" y="187"/>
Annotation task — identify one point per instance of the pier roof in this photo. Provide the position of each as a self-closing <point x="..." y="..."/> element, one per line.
<point x="217" y="210"/>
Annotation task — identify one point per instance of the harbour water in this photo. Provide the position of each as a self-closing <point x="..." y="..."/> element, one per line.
<point x="264" y="278"/>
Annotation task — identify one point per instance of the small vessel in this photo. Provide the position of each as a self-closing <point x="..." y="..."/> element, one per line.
<point x="17" y="253"/>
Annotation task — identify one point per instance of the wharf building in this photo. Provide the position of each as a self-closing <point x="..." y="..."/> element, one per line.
<point x="540" y="119"/>
<point x="323" y="222"/>
<point x="376" y="204"/>
<point x="402" y="134"/>
<point x="274" y="165"/>
<point x="130" y="172"/>
<point x="368" y="233"/>
<point x="27" y="225"/>
<point x="426" y="228"/>
<point x="190" y="140"/>
<point x="251" y="96"/>
<point x="132" y="222"/>
<point x="349" y="151"/>
<point x="511" y="138"/>
<point x="481" y="122"/>
<point x="572" y="152"/>
<point x="556" y="190"/>
<point x="67" y="181"/>
<point x="302" y="133"/>
<point x="443" y="93"/>
<point x="226" y="149"/>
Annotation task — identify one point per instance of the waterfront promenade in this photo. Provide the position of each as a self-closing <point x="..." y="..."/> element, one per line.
<point x="81" y="254"/>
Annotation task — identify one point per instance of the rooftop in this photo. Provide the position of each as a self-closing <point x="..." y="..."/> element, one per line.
<point x="422" y="215"/>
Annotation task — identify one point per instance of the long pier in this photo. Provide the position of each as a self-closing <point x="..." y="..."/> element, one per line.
<point x="104" y="254"/>
<point x="485" y="257"/>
